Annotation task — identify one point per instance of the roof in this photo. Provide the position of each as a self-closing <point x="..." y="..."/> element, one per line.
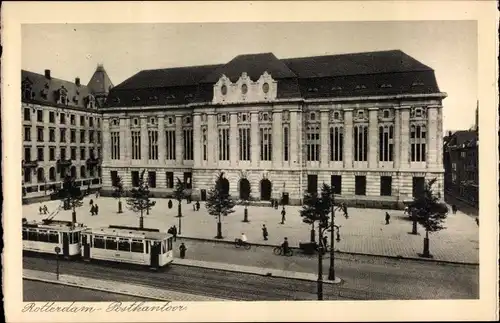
<point x="463" y="139"/>
<point x="133" y="234"/>
<point x="100" y="83"/>
<point x="346" y="75"/>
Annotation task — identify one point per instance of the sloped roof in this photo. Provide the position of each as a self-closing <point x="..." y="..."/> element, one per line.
<point x="463" y="138"/>
<point x="358" y="74"/>
<point x="51" y="86"/>
<point x="100" y="83"/>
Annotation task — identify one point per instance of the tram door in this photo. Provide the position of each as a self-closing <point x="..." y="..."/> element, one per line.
<point x="65" y="246"/>
<point x="86" y="246"/>
<point x="155" y="253"/>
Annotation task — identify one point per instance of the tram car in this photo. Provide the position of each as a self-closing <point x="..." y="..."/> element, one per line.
<point x="147" y="247"/>
<point x="45" y="236"/>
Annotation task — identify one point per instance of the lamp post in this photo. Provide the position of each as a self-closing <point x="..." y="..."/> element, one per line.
<point x="331" y="272"/>
<point x="320" y="270"/>
<point x="57" y="250"/>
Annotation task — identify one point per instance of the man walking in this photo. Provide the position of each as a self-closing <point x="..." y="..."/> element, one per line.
<point x="283" y="216"/>
<point x="182" y="250"/>
<point x="264" y="232"/>
<point x="387" y="218"/>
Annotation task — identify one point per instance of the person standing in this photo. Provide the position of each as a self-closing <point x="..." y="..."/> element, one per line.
<point x="174" y="232"/>
<point x="387" y="218"/>
<point x="454" y="209"/>
<point x="182" y="250"/>
<point x="285" y="246"/>
<point x="325" y="243"/>
<point x="197" y="205"/>
<point x="264" y="232"/>
<point x="96" y="208"/>
<point x="283" y="216"/>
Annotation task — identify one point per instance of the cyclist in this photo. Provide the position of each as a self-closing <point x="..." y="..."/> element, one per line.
<point x="243" y="238"/>
<point x="284" y="246"/>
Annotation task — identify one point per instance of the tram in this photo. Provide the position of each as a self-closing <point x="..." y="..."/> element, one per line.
<point x="45" y="236"/>
<point x="147" y="247"/>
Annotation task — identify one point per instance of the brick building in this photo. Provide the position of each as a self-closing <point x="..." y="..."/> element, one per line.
<point x="368" y="123"/>
<point x="61" y="131"/>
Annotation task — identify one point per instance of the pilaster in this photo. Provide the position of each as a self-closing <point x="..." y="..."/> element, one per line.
<point x="127" y="140"/>
<point x="348" y="138"/>
<point x="213" y="146"/>
<point x="373" y="138"/>
<point x="197" y="140"/>
<point x="162" y="144"/>
<point x="254" y="134"/>
<point x="294" y="153"/>
<point x="144" y="140"/>
<point x="179" y="144"/>
<point x="106" y="141"/>
<point x="432" y="150"/>
<point x="397" y="138"/>
<point x="324" y="138"/>
<point x="405" y="137"/>
<point x="277" y="153"/>
<point x="233" y="139"/>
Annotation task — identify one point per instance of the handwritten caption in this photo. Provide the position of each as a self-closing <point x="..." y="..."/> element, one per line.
<point x="117" y="307"/>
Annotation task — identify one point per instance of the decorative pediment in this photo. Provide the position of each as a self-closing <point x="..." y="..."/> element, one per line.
<point x="62" y="95"/>
<point x="223" y="118"/>
<point x="243" y="117"/>
<point x="115" y="122"/>
<point x="285" y="116"/>
<point x="186" y="120"/>
<point x="418" y="113"/>
<point x="360" y="115"/>
<point x="244" y="89"/>
<point x="386" y="114"/>
<point x="336" y="116"/>
<point x="313" y="116"/>
<point x="265" y="117"/>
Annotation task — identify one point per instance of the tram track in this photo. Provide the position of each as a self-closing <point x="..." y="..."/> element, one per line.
<point x="205" y="281"/>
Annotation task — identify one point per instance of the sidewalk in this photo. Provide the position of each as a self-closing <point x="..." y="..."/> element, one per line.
<point x="364" y="232"/>
<point x="115" y="287"/>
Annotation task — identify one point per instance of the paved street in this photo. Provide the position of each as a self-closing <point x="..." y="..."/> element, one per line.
<point x="36" y="291"/>
<point x="364" y="232"/>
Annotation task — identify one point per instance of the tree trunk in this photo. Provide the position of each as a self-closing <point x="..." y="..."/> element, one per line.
<point x="320" y="270"/>
<point x="426" y="252"/>
<point x="414" y="226"/>
<point x="141" y="221"/>
<point x="120" y="207"/>
<point x="179" y="210"/>
<point x="219" y="229"/>
<point x="245" y="215"/>
<point x="73" y="216"/>
<point x="313" y="233"/>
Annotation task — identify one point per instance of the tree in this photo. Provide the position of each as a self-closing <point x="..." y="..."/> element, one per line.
<point x="118" y="192"/>
<point x="219" y="202"/>
<point x="139" y="199"/>
<point x="179" y="194"/>
<point x="71" y="195"/>
<point x="430" y="213"/>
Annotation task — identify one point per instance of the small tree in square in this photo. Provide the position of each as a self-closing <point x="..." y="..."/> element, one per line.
<point x="71" y="194"/>
<point x="430" y="213"/>
<point x="139" y="200"/>
<point x="219" y="202"/>
<point x="179" y="195"/>
<point x="118" y="192"/>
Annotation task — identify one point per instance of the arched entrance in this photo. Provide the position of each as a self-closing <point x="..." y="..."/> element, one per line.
<point x="225" y="186"/>
<point x="244" y="189"/>
<point x="265" y="189"/>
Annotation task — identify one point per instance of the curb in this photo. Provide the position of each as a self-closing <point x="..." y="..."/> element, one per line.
<point x="325" y="281"/>
<point x="100" y="289"/>
<point x="341" y="252"/>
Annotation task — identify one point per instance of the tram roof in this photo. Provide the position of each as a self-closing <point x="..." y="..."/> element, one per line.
<point x="59" y="226"/>
<point x="129" y="233"/>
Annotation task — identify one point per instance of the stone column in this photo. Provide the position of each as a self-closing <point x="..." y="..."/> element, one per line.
<point x="397" y="138"/>
<point x="348" y="138"/>
<point x="277" y="149"/>
<point x="405" y="137"/>
<point x="162" y="144"/>
<point x="294" y="153"/>
<point x="179" y="138"/>
<point x="373" y="139"/>
<point x="213" y="139"/>
<point x="197" y="139"/>
<point x="144" y="140"/>
<point x="106" y="141"/>
<point x="254" y="135"/>
<point x="324" y="139"/>
<point x="233" y="139"/>
<point x="432" y="129"/>
<point x="439" y="137"/>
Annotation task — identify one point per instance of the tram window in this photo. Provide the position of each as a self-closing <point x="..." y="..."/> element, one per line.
<point x="84" y="239"/>
<point x="76" y="237"/>
<point x="111" y="244"/>
<point x="99" y="242"/>
<point x="137" y="246"/>
<point x="32" y="235"/>
<point x="124" y="245"/>
<point x="147" y="246"/>
<point x="25" y="234"/>
<point x="43" y="236"/>
<point x="169" y="244"/>
<point x="53" y="237"/>
<point x="163" y="247"/>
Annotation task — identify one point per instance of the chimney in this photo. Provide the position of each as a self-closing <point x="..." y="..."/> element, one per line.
<point x="47" y="74"/>
<point x="77" y="81"/>
<point x="449" y="133"/>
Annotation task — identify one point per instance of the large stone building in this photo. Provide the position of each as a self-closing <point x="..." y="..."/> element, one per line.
<point x="368" y="123"/>
<point x="61" y="131"/>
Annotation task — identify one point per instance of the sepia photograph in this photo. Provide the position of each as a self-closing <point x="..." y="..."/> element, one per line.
<point x="167" y="163"/>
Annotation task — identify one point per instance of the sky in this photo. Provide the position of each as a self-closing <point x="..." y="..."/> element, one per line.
<point x="74" y="50"/>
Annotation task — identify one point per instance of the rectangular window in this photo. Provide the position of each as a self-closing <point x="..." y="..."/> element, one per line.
<point x="91" y="122"/>
<point x="82" y="153"/>
<point x="152" y="145"/>
<point x="137" y="246"/>
<point x="187" y="180"/>
<point x="82" y="121"/>
<point x="39" y="115"/>
<point x="52" y="134"/>
<point x="52" y="153"/>
<point x="266" y="140"/>
<point x="170" y="180"/>
<point x="72" y="120"/>
<point x="52" y="117"/>
<point x="39" y="153"/>
<point x="91" y="136"/>
<point x="418" y="186"/>
<point x="135" y="178"/>
<point x="27" y="133"/>
<point x="244" y="143"/>
<point x="98" y="136"/>
<point x="204" y="142"/>
<point x="123" y="245"/>
<point x="188" y="144"/>
<point x="115" y="145"/>
<point x="152" y="179"/>
<point x="360" y="143"/>
<point x="360" y="185"/>
<point x="62" y="118"/>
<point x="418" y="139"/>
<point x="336" y="143"/>
<point x="82" y="136"/>
<point x="385" y="185"/>
<point x="39" y="133"/>
<point x="312" y="184"/>
<point x="286" y="144"/>
<point x="136" y="145"/>
<point x="113" y="174"/>
<point x="27" y="114"/>
<point x="223" y="143"/>
<point x="336" y="183"/>
<point x="72" y="136"/>
<point x="386" y="143"/>
<point x="27" y="153"/>
<point x="73" y="153"/>
<point x="111" y="244"/>
<point x="170" y="141"/>
<point x="313" y="143"/>
<point x="62" y="135"/>
<point x="63" y="153"/>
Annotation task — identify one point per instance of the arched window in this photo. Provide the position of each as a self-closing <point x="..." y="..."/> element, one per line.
<point x="386" y="145"/>
<point x="52" y="174"/>
<point x="360" y="143"/>
<point x="83" y="173"/>
<point x="336" y="143"/>
<point x="40" y="175"/>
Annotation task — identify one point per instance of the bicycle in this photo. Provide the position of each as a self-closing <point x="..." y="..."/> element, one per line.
<point x="239" y="243"/>
<point x="279" y="251"/>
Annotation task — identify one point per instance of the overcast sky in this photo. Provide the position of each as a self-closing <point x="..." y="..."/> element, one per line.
<point x="449" y="47"/>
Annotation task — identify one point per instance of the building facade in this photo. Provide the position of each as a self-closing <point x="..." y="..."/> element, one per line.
<point x="62" y="132"/>
<point x="370" y="124"/>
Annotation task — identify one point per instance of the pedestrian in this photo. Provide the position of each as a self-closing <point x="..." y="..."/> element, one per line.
<point x="276" y="204"/>
<point x="92" y="210"/>
<point x="182" y="250"/>
<point x="194" y="207"/>
<point x="477" y="221"/>
<point x="454" y="208"/>
<point x="325" y="243"/>
<point x="45" y="209"/>
<point x="387" y="218"/>
<point x="197" y="205"/>
<point x="169" y="231"/>
<point x="96" y="194"/>
<point x="174" y="232"/>
<point x="40" y="210"/>
<point x="170" y="204"/>
<point x="91" y="202"/>
<point x="283" y="214"/>
<point x="265" y="234"/>
<point x="96" y="209"/>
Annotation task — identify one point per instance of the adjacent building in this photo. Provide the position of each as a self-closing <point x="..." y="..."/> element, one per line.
<point x="370" y="124"/>
<point x="61" y="131"/>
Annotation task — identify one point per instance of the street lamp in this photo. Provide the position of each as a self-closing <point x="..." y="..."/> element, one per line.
<point x="57" y="250"/>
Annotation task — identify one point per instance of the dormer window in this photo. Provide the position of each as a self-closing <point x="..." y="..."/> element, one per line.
<point x="312" y="116"/>
<point x="385" y="86"/>
<point x="75" y="99"/>
<point x="416" y="83"/>
<point x="63" y="96"/>
<point x="115" y="122"/>
<point x="44" y="93"/>
<point x="90" y="102"/>
<point x="152" y="121"/>
<point x="336" y="115"/>
<point x="223" y="118"/>
<point x="265" y="116"/>
<point x="223" y="90"/>
<point x="170" y="120"/>
<point x="135" y="122"/>
<point x="361" y="114"/>
<point x="418" y="112"/>
<point x="244" y="89"/>
<point x="386" y="114"/>
<point x="360" y="87"/>
<point x="27" y="90"/>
